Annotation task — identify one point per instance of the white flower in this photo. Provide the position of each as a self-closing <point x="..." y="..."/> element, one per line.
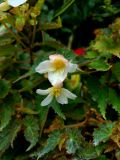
<point x="57" y="68"/>
<point x="15" y="3"/>
<point x="61" y="95"/>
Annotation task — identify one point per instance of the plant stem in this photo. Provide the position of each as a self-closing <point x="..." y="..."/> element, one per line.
<point x="77" y="125"/>
<point x="34" y="32"/>
<point x="89" y="120"/>
<point x="14" y="35"/>
<point x="32" y="42"/>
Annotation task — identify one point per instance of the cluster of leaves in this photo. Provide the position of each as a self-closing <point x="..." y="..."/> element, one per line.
<point x="87" y="128"/>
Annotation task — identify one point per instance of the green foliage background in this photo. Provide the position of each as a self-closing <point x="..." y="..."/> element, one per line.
<point x="86" y="128"/>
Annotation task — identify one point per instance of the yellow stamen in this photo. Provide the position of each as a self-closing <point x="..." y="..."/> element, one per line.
<point x="59" y="64"/>
<point x="56" y="91"/>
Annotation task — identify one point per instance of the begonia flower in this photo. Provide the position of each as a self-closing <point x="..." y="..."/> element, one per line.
<point x="16" y="3"/>
<point x="80" y="51"/>
<point x="60" y="94"/>
<point x="57" y="68"/>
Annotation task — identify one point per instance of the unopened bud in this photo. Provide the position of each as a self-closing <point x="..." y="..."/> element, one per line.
<point x="4" y="6"/>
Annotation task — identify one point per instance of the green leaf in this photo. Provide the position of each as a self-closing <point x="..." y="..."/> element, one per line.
<point x="68" y="54"/>
<point x="116" y="70"/>
<point x="8" y="155"/>
<point x="1" y="1"/>
<point x="6" y="112"/>
<point x="31" y="131"/>
<point x="100" y="65"/>
<point x="74" y="140"/>
<point x="4" y="88"/>
<point x="14" y="134"/>
<point x="114" y="100"/>
<point x="105" y="43"/>
<point x="6" y="40"/>
<point x="27" y="85"/>
<point x="90" y="152"/>
<point x="98" y="93"/>
<point x="52" y="25"/>
<point x="8" y="135"/>
<point x="103" y="133"/>
<point x="5" y="62"/>
<point x="91" y="54"/>
<point x="93" y="87"/>
<point x="15" y="98"/>
<point x="7" y="109"/>
<point x="57" y="109"/>
<point x="102" y="100"/>
<point x="102" y="157"/>
<point x="42" y="113"/>
<point x="76" y="114"/>
<point x="71" y="146"/>
<point x="52" y="142"/>
<point x="7" y="51"/>
<point x="20" y="157"/>
<point x="50" y="41"/>
<point x="61" y="10"/>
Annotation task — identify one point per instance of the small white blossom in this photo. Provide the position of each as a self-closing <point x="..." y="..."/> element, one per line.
<point x="16" y="3"/>
<point x="57" y="68"/>
<point x="61" y="94"/>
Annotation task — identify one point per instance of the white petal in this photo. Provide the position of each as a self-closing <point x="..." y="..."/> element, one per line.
<point x="62" y="99"/>
<point x="68" y="94"/>
<point x="72" y="67"/>
<point x="57" y="77"/>
<point x="56" y="56"/>
<point x="43" y="67"/>
<point x="16" y="3"/>
<point x="47" y="100"/>
<point x="43" y="92"/>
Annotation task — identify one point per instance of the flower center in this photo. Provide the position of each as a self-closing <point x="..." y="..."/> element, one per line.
<point x="58" y="64"/>
<point x="56" y="91"/>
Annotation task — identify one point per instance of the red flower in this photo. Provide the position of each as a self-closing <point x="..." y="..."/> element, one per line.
<point x="79" y="51"/>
